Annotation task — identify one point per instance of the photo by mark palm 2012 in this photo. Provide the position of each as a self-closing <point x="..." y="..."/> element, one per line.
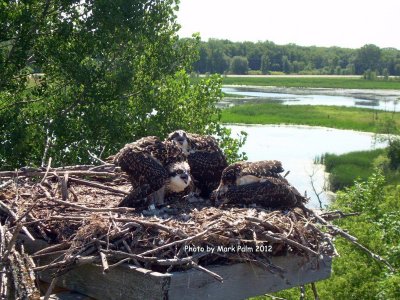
<point x="229" y="249"/>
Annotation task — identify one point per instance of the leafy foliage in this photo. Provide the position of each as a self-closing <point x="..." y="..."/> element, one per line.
<point x="239" y="65"/>
<point x="79" y="76"/>
<point x="355" y="275"/>
<point x="267" y="57"/>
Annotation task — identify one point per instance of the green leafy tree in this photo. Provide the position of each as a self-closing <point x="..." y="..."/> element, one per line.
<point x="264" y="63"/>
<point x="354" y="274"/>
<point x="239" y="65"/>
<point x="110" y="72"/>
<point x="368" y="58"/>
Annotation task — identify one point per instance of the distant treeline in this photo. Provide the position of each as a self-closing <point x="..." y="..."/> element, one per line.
<point x="224" y="56"/>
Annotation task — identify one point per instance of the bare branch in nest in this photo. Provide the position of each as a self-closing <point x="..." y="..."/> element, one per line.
<point x="315" y="292"/>
<point x="81" y="207"/>
<point x="64" y="186"/>
<point x="73" y="261"/>
<point x="94" y="156"/>
<point x="6" y="184"/>
<point x="50" y="289"/>
<point x="337" y="214"/>
<point x="337" y="231"/>
<point x="14" y="217"/>
<point x="36" y="173"/>
<point x="175" y="243"/>
<point x="98" y="185"/>
<point x="205" y="270"/>
<point x="47" y="171"/>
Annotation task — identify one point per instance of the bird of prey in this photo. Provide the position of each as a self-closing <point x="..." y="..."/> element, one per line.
<point x="258" y="183"/>
<point x="155" y="169"/>
<point x="205" y="158"/>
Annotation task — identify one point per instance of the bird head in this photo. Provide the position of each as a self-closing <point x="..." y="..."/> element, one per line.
<point x="179" y="176"/>
<point x="179" y="137"/>
<point x="229" y="177"/>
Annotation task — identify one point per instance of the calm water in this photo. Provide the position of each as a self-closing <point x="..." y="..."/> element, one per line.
<point x="297" y="146"/>
<point x="292" y="99"/>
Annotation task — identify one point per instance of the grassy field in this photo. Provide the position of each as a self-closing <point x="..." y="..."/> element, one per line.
<point x="314" y="82"/>
<point x="329" y="116"/>
<point x="348" y="167"/>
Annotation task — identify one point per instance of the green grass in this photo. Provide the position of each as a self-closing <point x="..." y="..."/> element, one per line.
<point x="346" y="168"/>
<point x="314" y="82"/>
<point x="361" y="119"/>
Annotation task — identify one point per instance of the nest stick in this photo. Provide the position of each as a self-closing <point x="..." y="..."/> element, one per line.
<point x="4" y="207"/>
<point x="81" y="207"/>
<point x="75" y="260"/>
<point x="97" y="185"/>
<point x="175" y="243"/>
<point x="13" y="239"/>
<point x="47" y="171"/>
<point x="315" y="292"/>
<point x="50" y="289"/>
<point x="205" y="270"/>
<point x="349" y="237"/>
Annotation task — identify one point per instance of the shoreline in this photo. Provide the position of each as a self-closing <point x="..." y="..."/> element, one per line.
<point x="373" y="94"/>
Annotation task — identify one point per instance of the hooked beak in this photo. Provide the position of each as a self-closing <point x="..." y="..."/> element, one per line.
<point x="185" y="177"/>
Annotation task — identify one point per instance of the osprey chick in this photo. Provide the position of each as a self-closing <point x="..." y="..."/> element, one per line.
<point x="155" y="169"/>
<point x="205" y="158"/>
<point x="257" y="183"/>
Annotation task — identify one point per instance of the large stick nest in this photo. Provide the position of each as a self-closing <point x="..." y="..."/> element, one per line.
<point x="75" y="210"/>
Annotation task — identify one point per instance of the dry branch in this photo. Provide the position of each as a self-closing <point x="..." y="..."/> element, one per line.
<point x="337" y="231"/>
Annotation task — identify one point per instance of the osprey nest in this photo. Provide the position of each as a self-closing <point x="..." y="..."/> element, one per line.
<point x="74" y="209"/>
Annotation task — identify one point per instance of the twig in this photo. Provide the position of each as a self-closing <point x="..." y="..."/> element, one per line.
<point x="333" y="215"/>
<point x="75" y="260"/>
<point x="97" y="185"/>
<point x="41" y="173"/>
<point x="64" y="186"/>
<point x="122" y="261"/>
<point x="274" y="297"/>
<point x="13" y="239"/>
<point x="315" y="292"/>
<point x="175" y="243"/>
<point x="104" y="262"/>
<point x="349" y="237"/>
<point x="50" y="289"/>
<point x="92" y="209"/>
<point x="269" y="236"/>
<point x="302" y="292"/>
<point x="6" y="184"/>
<point x="94" y="156"/>
<point x="47" y="171"/>
<point x="212" y="274"/>
<point x="4" y="207"/>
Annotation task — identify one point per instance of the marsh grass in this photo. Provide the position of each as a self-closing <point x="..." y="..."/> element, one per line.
<point x="346" y="168"/>
<point x="315" y="82"/>
<point x="361" y="119"/>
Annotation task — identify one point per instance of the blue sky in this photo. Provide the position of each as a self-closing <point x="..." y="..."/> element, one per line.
<point x="344" y="23"/>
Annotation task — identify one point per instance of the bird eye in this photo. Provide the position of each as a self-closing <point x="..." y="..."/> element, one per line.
<point x="179" y="171"/>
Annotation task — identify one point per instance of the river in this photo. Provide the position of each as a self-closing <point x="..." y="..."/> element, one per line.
<point x="297" y="146"/>
<point x="375" y="99"/>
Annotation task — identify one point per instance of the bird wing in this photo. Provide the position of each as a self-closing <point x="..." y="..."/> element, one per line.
<point x="271" y="192"/>
<point x="262" y="168"/>
<point x="142" y="168"/>
<point x="206" y="169"/>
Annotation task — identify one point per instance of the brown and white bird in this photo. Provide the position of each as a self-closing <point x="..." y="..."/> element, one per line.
<point x="257" y="183"/>
<point x="155" y="169"/>
<point x="205" y="158"/>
